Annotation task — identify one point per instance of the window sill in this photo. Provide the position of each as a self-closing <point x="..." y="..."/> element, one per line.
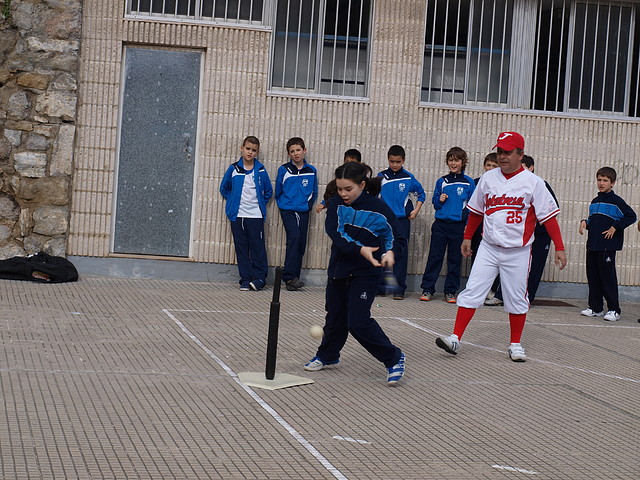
<point x="246" y="25"/>
<point x="316" y="96"/>
<point x="534" y="113"/>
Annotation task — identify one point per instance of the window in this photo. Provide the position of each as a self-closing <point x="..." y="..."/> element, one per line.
<point x="567" y="56"/>
<point x="236" y="11"/>
<point x="321" y="46"/>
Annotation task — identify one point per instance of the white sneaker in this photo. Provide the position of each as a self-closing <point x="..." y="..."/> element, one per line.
<point x="612" y="316"/>
<point x="493" y="302"/>
<point x="449" y="344"/>
<point x="516" y="353"/>
<point x="315" y="364"/>
<point x="587" y="312"/>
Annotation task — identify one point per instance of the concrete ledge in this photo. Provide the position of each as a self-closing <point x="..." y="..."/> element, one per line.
<point x="216" y="272"/>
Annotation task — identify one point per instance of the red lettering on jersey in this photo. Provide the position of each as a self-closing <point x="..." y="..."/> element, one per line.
<point x="493" y="204"/>
<point x="502" y="202"/>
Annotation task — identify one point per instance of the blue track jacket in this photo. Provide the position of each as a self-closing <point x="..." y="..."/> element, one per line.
<point x="459" y="189"/>
<point x="296" y="190"/>
<point x="608" y="210"/>
<point x="231" y="187"/>
<point x="396" y="187"/>
<point x="368" y="221"/>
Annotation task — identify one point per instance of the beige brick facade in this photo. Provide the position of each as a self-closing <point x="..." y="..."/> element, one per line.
<point x="235" y="103"/>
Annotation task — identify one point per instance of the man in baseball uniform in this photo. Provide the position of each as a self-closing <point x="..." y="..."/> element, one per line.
<point x="507" y="201"/>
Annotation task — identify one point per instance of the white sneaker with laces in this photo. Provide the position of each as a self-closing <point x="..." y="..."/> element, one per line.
<point x="587" y="312"/>
<point x="449" y="344"/>
<point x="493" y="302"/>
<point x="612" y="316"/>
<point x="516" y="353"/>
<point x="315" y="364"/>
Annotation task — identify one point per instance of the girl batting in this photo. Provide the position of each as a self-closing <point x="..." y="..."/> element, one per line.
<point x="365" y="239"/>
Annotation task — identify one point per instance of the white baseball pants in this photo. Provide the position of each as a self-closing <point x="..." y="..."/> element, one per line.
<point x="513" y="266"/>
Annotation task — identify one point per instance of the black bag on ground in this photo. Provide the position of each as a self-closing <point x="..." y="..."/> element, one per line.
<point x="40" y="267"/>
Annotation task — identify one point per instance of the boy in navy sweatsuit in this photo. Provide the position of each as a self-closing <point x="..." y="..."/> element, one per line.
<point x="609" y="215"/>
<point x="247" y="189"/>
<point x="450" y="197"/>
<point x="397" y="185"/>
<point x="296" y="192"/>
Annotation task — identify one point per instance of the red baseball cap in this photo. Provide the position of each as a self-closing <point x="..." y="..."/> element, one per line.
<point x="509" y="141"/>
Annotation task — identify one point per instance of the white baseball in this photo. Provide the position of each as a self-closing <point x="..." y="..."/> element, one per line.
<point x="316" y="331"/>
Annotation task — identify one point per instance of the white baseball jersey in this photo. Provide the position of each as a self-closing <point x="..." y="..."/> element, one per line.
<point x="511" y="206"/>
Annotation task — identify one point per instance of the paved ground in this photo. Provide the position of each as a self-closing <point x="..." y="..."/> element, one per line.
<point x="127" y="379"/>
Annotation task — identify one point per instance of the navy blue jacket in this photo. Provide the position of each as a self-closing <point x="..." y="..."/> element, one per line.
<point x="459" y="189"/>
<point x="296" y="190"/>
<point x="608" y="210"/>
<point x="366" y="222"/>
<point x="541" y="230"/>
<point x="396" y="187"/>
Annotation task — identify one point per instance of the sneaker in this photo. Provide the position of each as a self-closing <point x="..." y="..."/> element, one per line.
<point x="612" y="316"/>
<point x="398" y="296"/>
<point x="516" y="353"/>
<point x="244" y="287"/>
<point x="256" y="285"/>
<point x="449" y="297"/>
<point x="426" y="296"/>
<point x="449" y="344"/>
<point x="493" y="302"/>
<point x="587" y="312"/>
<point x="395" y="373"/>
<point x="315" y="364"/>
<point x="293" y="285"/>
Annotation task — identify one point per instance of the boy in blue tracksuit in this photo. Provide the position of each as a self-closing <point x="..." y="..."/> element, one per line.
<point x="247" y="189"/>
<point x="609" y="215"/>
<point x="397" y="185"/>
<point x="450" y="197"/>
<point x="296" y="192"/>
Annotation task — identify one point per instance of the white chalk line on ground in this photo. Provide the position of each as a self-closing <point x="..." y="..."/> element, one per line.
<point x="321" y="313"/>
<point x="514" y="469"/>
<point x="560" y="365"/>
<point x="410" y="321"/>
<point x="349" y="439"/>
<point x="270" y="410"/>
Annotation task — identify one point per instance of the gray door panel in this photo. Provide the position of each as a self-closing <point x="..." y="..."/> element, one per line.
<point x="157" y="152"/>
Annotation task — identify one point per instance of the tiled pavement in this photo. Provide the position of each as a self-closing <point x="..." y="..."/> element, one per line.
<point x="127" y="379"/>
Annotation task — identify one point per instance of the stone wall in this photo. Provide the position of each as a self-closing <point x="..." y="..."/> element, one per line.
<point x="39" y="50"/>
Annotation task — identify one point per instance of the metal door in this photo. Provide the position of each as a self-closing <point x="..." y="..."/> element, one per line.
<point x="158" y="128"/>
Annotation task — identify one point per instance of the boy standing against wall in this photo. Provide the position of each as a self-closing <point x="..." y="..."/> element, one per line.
<point x="397" y="184"/>
<point x="609" y="215"/>
<point x="450" y="197"/>
<point x="247" y="189"/>
<point x="490" y="162"/>
<point x="296" y="192"/>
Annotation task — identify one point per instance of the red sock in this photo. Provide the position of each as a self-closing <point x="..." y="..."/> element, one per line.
<point x="463" y="317"/>
<point x="516" y="320"/>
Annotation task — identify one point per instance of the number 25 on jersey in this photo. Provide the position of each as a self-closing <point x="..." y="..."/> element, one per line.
<point x="514" y="216"/>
